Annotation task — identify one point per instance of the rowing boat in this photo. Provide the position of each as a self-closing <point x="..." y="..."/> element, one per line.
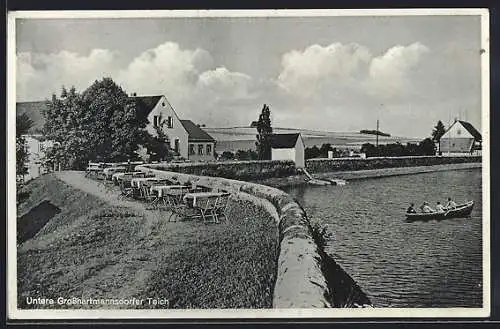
<point x="460" y="211"/>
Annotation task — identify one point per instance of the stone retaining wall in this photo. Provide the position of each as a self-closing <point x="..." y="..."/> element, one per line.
<point x="300" y="281"/>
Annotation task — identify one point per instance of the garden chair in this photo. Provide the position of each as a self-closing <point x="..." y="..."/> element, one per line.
<point x="221" y="207"/>
<point x="177" y="208"/>
<point x="125" y="191"/>
<point x="150" y="198"/>
<point x="207" y="208"/>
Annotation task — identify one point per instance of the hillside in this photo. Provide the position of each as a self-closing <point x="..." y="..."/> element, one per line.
<point x="88" y="244"/>
<point x="235" y="138"/>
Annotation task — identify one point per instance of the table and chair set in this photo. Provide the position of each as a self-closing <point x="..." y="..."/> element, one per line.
<point x="184" y="201"/>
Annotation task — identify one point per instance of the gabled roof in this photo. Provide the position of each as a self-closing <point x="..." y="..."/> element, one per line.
<point x="284" y="141"/>
<point x="34" y="111"/>
<point x="195" y="133"/>
<point x="145" y="104"/>
<point x="470" y="128"/>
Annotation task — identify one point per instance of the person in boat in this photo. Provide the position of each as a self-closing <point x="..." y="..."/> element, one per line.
<point x="411" y="209"/>
<point x="439" y="207"/>
<point x="451" y="204"/>
<point x="426" y="208"/>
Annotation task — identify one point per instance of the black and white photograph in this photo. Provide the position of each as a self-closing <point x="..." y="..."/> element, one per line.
<point x="248" y="164"/>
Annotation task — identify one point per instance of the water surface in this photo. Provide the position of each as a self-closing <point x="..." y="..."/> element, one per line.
<point x="399" y="263"/>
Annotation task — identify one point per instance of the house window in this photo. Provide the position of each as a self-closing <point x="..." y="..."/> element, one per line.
<point x="200" y="149"/>
<point x="191" y="149"/>
<point x="156" y="120"/>
<point x="170" y="122"/>
<point x="209" y="149"/>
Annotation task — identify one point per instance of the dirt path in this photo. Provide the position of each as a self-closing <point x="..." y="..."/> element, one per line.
<point x="142" y="258"/>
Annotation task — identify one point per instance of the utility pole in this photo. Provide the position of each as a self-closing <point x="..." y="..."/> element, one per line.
<point x="376" y="143"/>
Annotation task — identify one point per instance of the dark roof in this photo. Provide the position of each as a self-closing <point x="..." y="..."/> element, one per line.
<point x="145" y="104"/>
<point x="470" y="128"/>
<point x="284" y="141"/>
<point x="34" y="111"/>
<point x="195" y="133"/>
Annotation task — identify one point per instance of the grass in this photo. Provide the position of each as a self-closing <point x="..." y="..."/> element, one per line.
<point x="231" y="266"/>
<point x="92" y="248"/>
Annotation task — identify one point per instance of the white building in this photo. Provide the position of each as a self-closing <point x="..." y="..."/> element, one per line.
<point x="288" y="147"/>
<point x="461" y="138"/>
<point x="36" y="147"/>
<point x="185" y="137"/>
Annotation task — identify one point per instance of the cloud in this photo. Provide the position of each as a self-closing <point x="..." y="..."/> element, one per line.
<point x="335" y="87"/>
<point x="166" y="69"/>
<point x="391" y="73"/>
<point x="303" y="72"/>
<point x="40" y="75"/>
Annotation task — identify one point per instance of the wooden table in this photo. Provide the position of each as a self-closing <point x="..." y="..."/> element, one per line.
<point x="112" y="170"/>
<point x="170" y="189"/>
<point x="188" y="197"/>
<point x="139" y="181"/>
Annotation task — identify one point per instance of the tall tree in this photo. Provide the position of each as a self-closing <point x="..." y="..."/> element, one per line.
<point x="437" y="133"/>
<point x="101" y="124"/>
<point x="265" y="131"/>
<point x="23" y="125"/>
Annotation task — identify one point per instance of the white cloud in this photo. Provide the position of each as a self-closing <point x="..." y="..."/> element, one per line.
<point x="316" y="66"/>
<point x="40" y="75"/>
<point x="166" y="69"/>
<point x="334" y="87"/>
<point x="391" y="73"/>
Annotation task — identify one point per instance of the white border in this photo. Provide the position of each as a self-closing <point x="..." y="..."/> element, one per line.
<point x="14" y="313"/>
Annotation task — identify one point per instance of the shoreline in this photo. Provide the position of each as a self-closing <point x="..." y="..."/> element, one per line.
<point x="299" y="180"/>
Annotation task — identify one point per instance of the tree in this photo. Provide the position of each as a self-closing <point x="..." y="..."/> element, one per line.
<point x="227" y="155"/>
<point x="437" y="133"/>
<point x="23" y="125"/>
<point x="265" y="131"/>
<point x="427" y="147"/>
<point x="158" y="146"/>
<point x="101" y="124"/>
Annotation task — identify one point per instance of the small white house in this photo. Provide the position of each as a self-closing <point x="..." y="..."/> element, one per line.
<point x="288" y="147"/>
<point x="461" y="138"/>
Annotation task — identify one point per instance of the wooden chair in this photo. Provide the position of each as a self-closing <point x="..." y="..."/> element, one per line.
<point x="151" y="198"/>
<point x="177" y="208"/>
<point x="221" y="206"/>
<point x="207" y="208"/>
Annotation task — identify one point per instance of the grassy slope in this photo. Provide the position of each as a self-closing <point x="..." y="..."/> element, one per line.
<point x="94" y="249"/>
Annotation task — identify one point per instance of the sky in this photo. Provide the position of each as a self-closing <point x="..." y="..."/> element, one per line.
<point x="326" y="73"/>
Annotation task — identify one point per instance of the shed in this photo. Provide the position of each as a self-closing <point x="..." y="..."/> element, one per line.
<point x="288" y="147"/>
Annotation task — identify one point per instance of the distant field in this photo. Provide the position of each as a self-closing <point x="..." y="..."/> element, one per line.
<point x="243" y="138"/>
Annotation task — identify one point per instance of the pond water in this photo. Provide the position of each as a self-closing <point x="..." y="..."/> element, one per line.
<point x="399" y="263"/>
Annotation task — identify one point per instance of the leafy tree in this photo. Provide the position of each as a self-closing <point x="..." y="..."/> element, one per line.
<point x="23" y="125"/>
<point x="158" y="146"/>
<point x="369" y="149"/>
<point x="101" y="124"/>
<point x="227" y="155"/>
<point x="246" y="155"/>
<point x="265" y="131"/>
<point x="437" y="133"/>
<point x="427" y="147"/>
<point x="312" y="152"/>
